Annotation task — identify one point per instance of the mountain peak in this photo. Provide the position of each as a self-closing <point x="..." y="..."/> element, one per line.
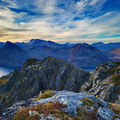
<point x="81" y="45"/>
<point x="12" y="55"/>
<point x="39" y="42"/>
<point x="9" y="45"/>
<point x="35" y="41"/>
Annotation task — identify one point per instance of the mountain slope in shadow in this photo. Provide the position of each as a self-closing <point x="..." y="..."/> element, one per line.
<point x="12" y="55"/>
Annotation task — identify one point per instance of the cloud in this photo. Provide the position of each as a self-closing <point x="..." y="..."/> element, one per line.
<point x="58" y="20"/>
<point x="9" y="3"/>
<point x="45" y="6"/>
<point x="93" y="2"/>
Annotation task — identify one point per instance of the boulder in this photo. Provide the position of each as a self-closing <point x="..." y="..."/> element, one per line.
<point x="105" y="114"/>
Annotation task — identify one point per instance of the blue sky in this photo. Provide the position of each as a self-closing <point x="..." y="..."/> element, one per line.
<point x="60" y="20"/>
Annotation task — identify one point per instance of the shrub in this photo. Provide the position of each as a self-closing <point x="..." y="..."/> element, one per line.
<point x="46" y="94"/>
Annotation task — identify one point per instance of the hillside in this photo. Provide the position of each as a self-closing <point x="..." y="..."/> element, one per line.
<point x="12" y="55"/>
<point x="84" y="55"/>
<point x="116" y="53"/>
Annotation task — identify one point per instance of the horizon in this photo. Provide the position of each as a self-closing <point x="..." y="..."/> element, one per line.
<point x="77" y="42"/>
<point x="75" y="21"/>
<point x="74" y="42"/>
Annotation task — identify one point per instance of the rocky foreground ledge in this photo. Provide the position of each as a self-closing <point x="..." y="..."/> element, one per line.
<point x="62" y="105"/>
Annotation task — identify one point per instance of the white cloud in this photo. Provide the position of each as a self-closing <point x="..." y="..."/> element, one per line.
<point x="93" y="2"/>
<point x="82" y="4"/>
<point x="45" y="6"/>
<point x="58" y="28"/>
<point x="10" y="3"/>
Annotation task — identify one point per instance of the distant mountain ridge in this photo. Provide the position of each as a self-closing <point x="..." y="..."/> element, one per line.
<point x="86" y="55"/>
<point x="82" y="54"/>
<point x="12" y="55"/>
<point x="116" y="53"/>
<point x="108" y="46"/>
<point x="40" y="42"/>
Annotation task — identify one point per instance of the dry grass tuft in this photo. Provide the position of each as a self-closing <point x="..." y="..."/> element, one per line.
<point x="46" y="94"/>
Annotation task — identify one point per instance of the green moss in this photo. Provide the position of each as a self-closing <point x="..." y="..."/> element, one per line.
<point x="33" y="117"/>
<point x="88" y="101"/>
<point x="115" y="79"/>
<point x="113" y="70"/>
<point x="46" y="94"/>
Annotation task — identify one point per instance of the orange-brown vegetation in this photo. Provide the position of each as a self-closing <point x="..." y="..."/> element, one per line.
<point x="44" y="108"/>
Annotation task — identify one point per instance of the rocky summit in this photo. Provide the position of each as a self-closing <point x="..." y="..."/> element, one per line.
<point x="38" y="75"/>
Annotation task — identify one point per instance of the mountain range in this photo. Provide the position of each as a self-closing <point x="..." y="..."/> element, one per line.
<point x="108" y="46"/>
<point x="80" y="54"/>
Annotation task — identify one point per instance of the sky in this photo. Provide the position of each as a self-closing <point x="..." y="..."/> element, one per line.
<point x="60" y="20"/>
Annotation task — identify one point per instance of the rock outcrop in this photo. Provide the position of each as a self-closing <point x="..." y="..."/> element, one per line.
<point x="105" y="82"/>
<point x="63" y="105"/>
<point x="38" y="75"/>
